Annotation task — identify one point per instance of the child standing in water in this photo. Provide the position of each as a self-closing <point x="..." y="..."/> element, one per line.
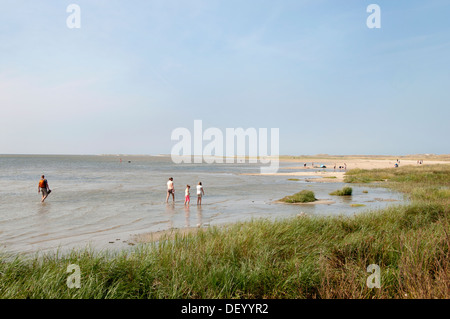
<point x="187" y="197"/>
<point x="200" y="193"/>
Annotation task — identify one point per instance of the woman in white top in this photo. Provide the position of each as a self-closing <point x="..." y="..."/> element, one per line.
<point x="200" y="192"/>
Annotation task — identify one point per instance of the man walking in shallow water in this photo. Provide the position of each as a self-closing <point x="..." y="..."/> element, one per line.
<point x="44" y="188"/>
<point x="170" y="190"/>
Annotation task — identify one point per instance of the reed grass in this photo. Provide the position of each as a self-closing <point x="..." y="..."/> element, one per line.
<point x="345" y="191"/>
<point x="298" y="257"/>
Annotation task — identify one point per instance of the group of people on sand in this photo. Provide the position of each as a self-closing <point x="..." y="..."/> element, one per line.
<point x="344" y="167"/>
<point x="187" y="195"/>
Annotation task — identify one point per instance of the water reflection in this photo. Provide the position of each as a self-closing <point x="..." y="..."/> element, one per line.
<point x="43" y="221"/>
<point x="199" y="216"/>
<point x="170" y="212"/>
<point x="347" y="199"/>
<point x="187" y="215"/>
<point x="44" y="208"/>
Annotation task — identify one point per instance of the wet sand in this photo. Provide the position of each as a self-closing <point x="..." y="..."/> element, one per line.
<point x="316" y="202"/>
<point x="164" y="234"/>
<point x="366" y="162"/>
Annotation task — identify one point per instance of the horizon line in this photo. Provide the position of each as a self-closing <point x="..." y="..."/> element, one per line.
<point x="193" y="155"/>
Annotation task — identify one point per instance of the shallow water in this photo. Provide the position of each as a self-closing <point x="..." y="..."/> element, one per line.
<point x="102" y="201"/>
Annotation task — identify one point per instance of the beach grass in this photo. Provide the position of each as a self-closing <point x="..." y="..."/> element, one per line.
<point x="345" y="191"/>
<point x="304" y="196"/>
<point x="298" y="257"/>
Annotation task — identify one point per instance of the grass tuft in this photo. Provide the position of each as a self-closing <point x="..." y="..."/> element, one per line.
<point x="305" y="196"/>
<point x="346" y="191"/>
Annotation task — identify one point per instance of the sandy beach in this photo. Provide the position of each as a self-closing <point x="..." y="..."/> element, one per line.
<point x="364" y="162"/>
<point x="351" y="162"/>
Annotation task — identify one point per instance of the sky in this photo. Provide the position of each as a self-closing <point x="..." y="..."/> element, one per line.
<point x="137" y="70"/>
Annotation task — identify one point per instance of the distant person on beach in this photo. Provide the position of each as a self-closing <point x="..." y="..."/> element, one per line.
<point x="200" y="193"/>
<point x="170" y="190"/>
<point x="187" y="196"/>
<point x="345" y="166"/>
<point x="43" y="188"/>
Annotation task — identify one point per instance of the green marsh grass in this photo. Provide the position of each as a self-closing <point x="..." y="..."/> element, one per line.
<point x="298" y="257"/>
<point x="304" y="196"/>
<point x="345" y="191"/>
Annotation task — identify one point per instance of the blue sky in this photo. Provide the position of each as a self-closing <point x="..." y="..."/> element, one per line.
<point x="136" y="70"/>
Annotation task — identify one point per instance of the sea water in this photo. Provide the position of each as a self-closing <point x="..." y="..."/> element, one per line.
<point x="102" y="201"/>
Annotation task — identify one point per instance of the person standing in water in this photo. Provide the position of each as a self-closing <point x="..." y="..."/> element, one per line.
<point x="200" y="193"/>
<point x="170" y="190"/>
<point x="187" y="197"/>
<point x="43" y="188"/>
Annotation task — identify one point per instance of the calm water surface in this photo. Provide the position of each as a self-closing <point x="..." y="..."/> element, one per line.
<point x="100" y="201"/>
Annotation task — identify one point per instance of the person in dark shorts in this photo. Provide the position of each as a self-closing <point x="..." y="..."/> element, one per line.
<point x="170" y="190"/>
<point x="43" y="188"/>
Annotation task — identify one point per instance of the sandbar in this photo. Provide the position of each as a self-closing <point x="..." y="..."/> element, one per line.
<point x="164" y="234"/>
<point x="316" y="202"/>
<point x="351" y="162"/>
